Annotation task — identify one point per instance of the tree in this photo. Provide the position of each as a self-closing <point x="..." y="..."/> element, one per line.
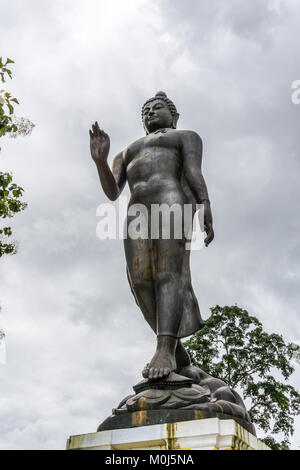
<point x="10" y="192"/>
<point x="234" y="347"/>
<point x="10" y="204"/>
<point x="270" y="441"/>
<point x="9" y="123"/>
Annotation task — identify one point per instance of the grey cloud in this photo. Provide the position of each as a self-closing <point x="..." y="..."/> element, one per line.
<point x="76" y="341"/>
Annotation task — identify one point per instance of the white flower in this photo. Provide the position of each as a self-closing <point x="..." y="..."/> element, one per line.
<point x="24" y="126"/>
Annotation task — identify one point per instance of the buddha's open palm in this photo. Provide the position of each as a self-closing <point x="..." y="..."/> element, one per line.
<point x="99" y="144"/>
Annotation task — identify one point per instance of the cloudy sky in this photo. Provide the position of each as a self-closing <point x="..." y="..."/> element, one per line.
<point x="75" y="340"/>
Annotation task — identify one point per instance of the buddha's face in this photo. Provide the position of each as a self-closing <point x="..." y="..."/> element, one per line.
<point x="157" y="115"/>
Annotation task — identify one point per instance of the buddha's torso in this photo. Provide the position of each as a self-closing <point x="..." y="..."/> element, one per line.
<point x="154" y="167"/>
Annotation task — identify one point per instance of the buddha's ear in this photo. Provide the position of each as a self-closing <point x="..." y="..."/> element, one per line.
<point x="145" y="128"/>
<point x="175" y="119"/>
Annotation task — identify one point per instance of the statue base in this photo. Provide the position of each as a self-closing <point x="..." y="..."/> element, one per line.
<point x="198" y="434"/>
<point x="178" y="398"/>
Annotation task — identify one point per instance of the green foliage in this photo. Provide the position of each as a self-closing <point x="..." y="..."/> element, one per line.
<point x="10" y="192"/>
<point x="6" y="101"/>
<point x="9" y="123"/>
<point x="10" y="204"/>
<point x="234" y="347"/>
<point x="270" y="441"/>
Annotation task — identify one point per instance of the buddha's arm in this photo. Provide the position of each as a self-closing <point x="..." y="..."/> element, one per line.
<point x="113" y="181"/>
<point x="192" y="160"/>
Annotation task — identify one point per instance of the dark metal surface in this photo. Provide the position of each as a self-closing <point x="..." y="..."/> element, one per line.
<point x="164" y="167"/>
<point x="152" y="417"/>
<point x="175" y="399"/>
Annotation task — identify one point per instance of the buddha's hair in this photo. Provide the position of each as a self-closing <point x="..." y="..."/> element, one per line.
<point x="161" y="95"/>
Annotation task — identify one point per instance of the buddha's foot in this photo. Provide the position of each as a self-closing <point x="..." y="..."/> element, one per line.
<point x="161" y="366"/>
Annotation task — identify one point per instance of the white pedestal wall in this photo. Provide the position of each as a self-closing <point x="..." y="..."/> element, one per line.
<point x="204" y="434"/>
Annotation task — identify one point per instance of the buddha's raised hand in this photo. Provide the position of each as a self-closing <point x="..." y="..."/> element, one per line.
<point x="99" y="144"/>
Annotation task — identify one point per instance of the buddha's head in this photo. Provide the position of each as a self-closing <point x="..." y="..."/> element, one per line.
<point x="159" y="112"/>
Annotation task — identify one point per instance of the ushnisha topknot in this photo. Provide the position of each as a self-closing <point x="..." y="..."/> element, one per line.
<point x="161" y="95"/>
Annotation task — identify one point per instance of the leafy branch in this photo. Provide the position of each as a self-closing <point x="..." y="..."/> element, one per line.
<point x="233" y="347"/>
<point x="10" y="204"/>
<point x="6" y="107"/>
<point x="10" y="192"/>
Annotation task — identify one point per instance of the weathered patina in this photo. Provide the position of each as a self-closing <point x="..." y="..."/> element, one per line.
<point x="163" y="167"/>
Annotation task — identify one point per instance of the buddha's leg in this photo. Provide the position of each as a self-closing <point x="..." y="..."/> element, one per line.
<point x="167" y="263"/>
<point x="140" y="277"/>
<point x="182" y="357"/>
<point x="139" y="256"/>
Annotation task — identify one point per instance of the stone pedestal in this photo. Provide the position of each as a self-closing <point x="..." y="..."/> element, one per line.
<point x="203" y="434"/>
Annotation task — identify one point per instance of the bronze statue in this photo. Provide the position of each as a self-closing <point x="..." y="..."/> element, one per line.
<point x="164" y="167"/>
